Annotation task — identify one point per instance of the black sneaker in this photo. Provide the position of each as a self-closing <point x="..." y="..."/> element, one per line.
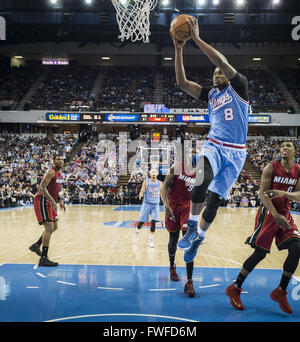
<point x="46" y="262"/>
<point x="36" y="249"/>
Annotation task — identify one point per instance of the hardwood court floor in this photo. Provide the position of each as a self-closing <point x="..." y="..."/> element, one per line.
<point x="104" y="277"/>
<point x="103" y="235"/>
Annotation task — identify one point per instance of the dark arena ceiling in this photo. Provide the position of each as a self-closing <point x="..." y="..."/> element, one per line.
<point x="95" y="20"/>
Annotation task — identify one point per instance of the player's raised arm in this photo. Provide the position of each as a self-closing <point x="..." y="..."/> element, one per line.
<point x="192" y="88"/>
<point x="214" y="55"/>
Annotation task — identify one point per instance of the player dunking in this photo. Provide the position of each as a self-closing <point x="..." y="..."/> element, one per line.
<point x="279" y="185"/>
<point x="176" y="194"/>
<point x="224" y="151"/>
<point x="150" y="192"/>
<point x="46" y="209"/>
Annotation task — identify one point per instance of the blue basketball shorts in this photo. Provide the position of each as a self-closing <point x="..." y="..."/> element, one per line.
<point x="227" y="161"/>
<point x="149" y="209"/>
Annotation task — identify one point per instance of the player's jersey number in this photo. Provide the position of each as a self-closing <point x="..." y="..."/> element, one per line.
<point x="228" y="114"/>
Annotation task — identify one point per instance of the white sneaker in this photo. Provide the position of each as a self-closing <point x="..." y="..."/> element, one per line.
<point x="151" y="241"/>
<point x="136" y="235"/>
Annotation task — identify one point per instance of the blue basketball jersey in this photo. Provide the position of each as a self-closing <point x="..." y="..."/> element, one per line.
<point x="228" y="115"/>
<point x="152" y="192"/>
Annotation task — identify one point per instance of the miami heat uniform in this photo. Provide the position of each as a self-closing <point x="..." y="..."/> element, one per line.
<point x="179" y="199"/>
<point x="266" y="228"/>
<point x="43" y="209"/>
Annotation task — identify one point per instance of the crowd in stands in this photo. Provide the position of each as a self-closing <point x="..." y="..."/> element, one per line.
<point x="92" y="175"/>
<point x="264" y="95"/>
<point x="15" y="82"/>
<point x="290" y="77"/>
<point x="125" y="89"/>
<point x="128" y="88"/>
<point x="25" y="162"/>
<point x="65" y="86"/>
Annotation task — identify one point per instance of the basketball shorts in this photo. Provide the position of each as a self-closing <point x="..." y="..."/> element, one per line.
<point x="266" y="229"/>
<point x="43" y="210"/>
<point x="149" y="209"/>
<point x="181" y="213"/>
<point x="226" y="163"/>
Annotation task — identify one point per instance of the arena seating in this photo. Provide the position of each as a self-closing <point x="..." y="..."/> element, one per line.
<point x="63" y="86"/>
<point x="15" y="82"/>
<point x="290" y="76"/>
<point x="127" y="88"/>
<point x="92" y="175"/>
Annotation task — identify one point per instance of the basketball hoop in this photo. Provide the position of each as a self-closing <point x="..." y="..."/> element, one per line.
<point x="133" y="18"/>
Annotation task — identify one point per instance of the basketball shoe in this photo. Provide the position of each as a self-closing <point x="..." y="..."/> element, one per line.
<point x="233" y="292"/>
<point x="36" y="249"/>
<point x="191" y="252"/>
<point x="189" y="288"/>
<point x="186" y="240"/>
<point x="173" y="274"/>
<point x="279" y="296"/>
<point x="45" y="262"/>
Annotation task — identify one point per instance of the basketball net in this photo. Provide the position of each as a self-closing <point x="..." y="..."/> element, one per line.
<point x="133" y="18"/>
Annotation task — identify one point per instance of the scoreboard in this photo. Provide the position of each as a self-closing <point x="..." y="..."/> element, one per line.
<point x="157" y="117"/>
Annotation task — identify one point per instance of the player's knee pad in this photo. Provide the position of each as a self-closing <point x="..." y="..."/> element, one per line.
<point x="153" y="226"/>
<point x="212" y="206"/>
<point x="199" y="192"/>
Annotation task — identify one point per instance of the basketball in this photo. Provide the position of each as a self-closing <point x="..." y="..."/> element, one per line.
<point x="180" y="29"/>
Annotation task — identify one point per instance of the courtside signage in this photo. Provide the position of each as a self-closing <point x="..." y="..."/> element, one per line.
<point x="122" y="117"/>
<point x="62" y="116"/>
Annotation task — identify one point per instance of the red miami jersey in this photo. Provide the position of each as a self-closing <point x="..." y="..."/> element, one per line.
<point x="182" y="186"/>
<point x="284" y="181"/>
<point x="55" y="184"/>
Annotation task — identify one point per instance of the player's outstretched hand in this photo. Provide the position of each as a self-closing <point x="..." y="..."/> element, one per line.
<point x="194" y="27"/>
<point x="178" y="44"/>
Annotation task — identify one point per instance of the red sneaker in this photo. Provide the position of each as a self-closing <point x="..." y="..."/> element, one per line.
<point x="233" y="293"/>
<point x="173" y="274"/>
<point x="279" y="296"/>
<point x="189" y="289"/>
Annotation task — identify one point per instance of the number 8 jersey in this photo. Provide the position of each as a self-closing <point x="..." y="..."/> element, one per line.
<point x="228" y="110"/>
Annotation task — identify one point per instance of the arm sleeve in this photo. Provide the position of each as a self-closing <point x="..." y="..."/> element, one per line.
<point x="240" y="84"/>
